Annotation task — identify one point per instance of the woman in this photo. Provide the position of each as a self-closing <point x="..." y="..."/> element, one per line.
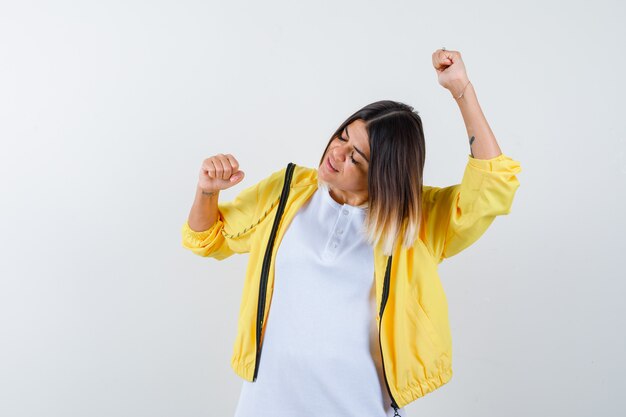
<point x="359" y="317"/>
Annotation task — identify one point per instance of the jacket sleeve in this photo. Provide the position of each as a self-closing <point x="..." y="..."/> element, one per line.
<point x="236" y="222"/>
<point x="456" y="216"/>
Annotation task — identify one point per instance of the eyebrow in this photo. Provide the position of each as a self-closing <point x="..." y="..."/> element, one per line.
<point x="355" y="148"/>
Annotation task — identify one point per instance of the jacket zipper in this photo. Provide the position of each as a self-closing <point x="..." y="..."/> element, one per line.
<point x="263" y="288"/>
<point x="266" y="266"/>
<point x="383" y="302"/>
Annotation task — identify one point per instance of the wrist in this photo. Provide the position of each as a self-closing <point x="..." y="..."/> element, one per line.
<point x="205" y="192"/>
<point x="458" y="87"/>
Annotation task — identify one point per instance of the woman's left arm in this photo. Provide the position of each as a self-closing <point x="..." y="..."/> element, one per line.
<point x="452" y="75"/>
<point x="458" y="215"/>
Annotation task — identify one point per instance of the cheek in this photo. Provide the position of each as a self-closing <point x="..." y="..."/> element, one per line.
<point x="364" y="176"/>
<point x="359" y="176"/>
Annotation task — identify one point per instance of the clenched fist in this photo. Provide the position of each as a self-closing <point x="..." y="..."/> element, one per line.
<point x="219" y="172"/>
<point x="451" y="72"/>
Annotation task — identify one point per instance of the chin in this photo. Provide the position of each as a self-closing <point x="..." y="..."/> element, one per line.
<point x="321" y="171"/>
<point x="321" y="182"/>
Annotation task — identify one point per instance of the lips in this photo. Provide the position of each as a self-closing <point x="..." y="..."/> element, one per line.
<point x="330" y="165"/>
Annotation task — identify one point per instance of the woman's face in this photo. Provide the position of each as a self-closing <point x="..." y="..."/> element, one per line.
<point x="349" y="156"/>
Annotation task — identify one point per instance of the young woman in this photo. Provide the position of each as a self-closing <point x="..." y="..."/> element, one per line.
<point x="359" y="320"/>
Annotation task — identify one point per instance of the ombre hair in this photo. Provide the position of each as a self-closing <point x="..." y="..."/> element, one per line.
<point x="394" y="178"/>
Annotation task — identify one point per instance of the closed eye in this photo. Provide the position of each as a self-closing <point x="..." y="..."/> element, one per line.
<point x="352" y="154"/>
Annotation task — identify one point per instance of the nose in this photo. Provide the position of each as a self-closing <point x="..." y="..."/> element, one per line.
<point x="340" y="152"/>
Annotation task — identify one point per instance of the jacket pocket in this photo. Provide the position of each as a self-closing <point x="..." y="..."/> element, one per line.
<point x="426" y="328"/>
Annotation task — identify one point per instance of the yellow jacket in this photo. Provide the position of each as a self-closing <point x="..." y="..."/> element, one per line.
<point x="414" y="336"/>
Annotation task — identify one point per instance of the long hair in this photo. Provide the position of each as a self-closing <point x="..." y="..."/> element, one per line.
<point x="394" y="179"/>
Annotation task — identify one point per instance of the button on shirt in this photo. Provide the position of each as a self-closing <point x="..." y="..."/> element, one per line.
<point x="321" y="354"/>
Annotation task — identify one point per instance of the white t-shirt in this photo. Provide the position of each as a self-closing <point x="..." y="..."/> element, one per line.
<point x="321" y="354"/>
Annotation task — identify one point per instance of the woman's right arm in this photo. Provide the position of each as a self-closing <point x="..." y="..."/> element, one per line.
<point x="219" y="230"/>
<point x="217" y="173"/>
<point x="202" y="232"/>
<point x="203" y="212"/>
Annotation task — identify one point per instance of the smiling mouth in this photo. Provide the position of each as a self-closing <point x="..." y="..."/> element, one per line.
<point x="329" y="164"/>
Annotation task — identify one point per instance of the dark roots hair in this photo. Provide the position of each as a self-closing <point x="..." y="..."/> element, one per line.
<point x="397" y="155"/>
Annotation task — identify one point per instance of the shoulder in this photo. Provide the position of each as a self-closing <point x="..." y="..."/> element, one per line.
<point x="273" y="184"/>
<point x="303" y="176"/>
<point x="431" y="194"/>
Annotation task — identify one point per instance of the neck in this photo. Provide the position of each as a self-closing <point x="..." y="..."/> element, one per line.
<point x="353" y="200"/>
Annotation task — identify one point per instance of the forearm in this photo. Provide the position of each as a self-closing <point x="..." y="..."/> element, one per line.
<point x="483" y="144"/>
<point x="204" y="211"/>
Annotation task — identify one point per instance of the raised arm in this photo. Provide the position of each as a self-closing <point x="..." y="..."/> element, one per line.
<point x="217" y="173"/>
<point x="236" y="221"/>
<point x="452" y="75"/>
<point x="458" y="215"/>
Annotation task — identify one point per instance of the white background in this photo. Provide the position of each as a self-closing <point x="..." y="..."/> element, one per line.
<point x="107" y="110"/>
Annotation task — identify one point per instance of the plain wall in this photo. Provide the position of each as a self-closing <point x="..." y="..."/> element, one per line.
<point x="107" y="110"/>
